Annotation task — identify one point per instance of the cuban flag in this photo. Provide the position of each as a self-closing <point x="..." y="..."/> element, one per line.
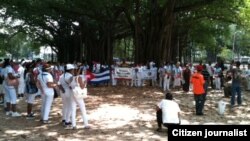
<point x="98" y="78"/>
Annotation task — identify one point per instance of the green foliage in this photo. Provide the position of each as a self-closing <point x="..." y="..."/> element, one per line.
<point x="124" y="48"/>
<point x="226" y="54"/>
<point x="45" y="22"/>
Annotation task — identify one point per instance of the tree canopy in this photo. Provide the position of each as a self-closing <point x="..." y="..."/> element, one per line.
<point x="143" y="30"/>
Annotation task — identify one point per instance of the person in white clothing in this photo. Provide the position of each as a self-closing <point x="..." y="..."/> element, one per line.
<point x="210" y="70"/>
<point x="66" y="93"/>
<point x="79" y="79"/>
<point x="21" y="86"/>
<point x="46" y="84"/>
<point x="217" y="78"/>
<point x="153" y="71"/>
<point x="10" y="83"/>
<point x="168" y="112"/>
<point x="167" y="77"/>
<point x="113" y="75"/>
<point x="177" y="74"/>
<point x="136" y="77"/>
<point x="161" y="73"/>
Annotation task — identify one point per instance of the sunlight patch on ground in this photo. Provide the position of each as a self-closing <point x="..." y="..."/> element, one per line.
<point x="17" y="132"/>
<point x="158" y="92"/>
<point x="187" y="122"/>
<point x="213" y="123"/>
<point x="178" y="92"/>
<point x="230" y="122"/>
<point x="245" y="122"/>
<point x="51" y="133"/>
<point x="71" y="139"/>
<point x="113" y="116"/>
<point x="116" y="96"/>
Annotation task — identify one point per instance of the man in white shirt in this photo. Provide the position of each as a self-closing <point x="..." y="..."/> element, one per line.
<point x="168" y="112"/>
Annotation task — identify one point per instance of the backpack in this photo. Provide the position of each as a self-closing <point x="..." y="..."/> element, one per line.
<point x="31" y="87"/>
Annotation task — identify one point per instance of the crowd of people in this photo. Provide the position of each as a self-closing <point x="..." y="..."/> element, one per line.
<point x="200" y="77"/>
<point x="46" y="80"/>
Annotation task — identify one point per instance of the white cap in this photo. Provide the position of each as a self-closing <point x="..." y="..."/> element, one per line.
<point x="70" y="67"/>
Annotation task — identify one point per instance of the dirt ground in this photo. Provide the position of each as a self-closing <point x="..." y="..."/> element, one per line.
<point x="119" y="113"/>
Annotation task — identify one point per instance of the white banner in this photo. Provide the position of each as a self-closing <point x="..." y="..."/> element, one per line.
<point x="123" y="73"/>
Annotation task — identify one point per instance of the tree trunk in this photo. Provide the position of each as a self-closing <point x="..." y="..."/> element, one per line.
<point x="166" y="34"/>
<point x="138" y="38"/>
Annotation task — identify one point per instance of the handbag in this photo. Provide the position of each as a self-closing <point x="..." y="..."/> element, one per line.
<point x="78" y="92"/>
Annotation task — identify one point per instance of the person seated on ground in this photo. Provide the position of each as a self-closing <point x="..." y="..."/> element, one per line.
<point x="167" y="112"/>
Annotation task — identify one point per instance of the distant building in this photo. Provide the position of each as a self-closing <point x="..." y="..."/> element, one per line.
<point x="46" y="53"/>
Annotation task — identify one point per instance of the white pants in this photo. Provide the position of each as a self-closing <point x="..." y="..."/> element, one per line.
<point x="161" y="81"/>
<point x="47" y="100"/>
<point x="66" y="105"/>
<point x="217" y="83"/>
<point x="133" y="82"/>
<point x="166" y="83"/>
<point x="154" y="81"/>
<point x="81" y="104"/>
<point x="114" y="81"/>
<point x="136" y="82"/>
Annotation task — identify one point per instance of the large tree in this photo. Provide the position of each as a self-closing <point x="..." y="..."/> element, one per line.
<point x="162" y="30"/>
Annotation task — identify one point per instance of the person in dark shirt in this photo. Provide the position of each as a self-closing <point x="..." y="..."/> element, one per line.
<point x="186" y="76"/>
<point x="221" y="75"/>
<point x="236" y="85"/>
